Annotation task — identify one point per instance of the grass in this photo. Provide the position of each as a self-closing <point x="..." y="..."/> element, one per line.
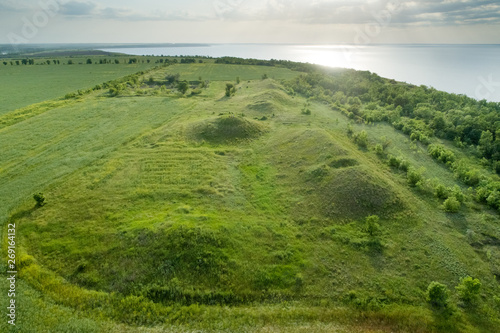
<point x="255" y="225"/>
<point x="24" y="85"/>
<point x="218" y="72"/>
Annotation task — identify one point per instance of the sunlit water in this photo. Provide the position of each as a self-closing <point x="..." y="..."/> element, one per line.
<point x="473" y="70"/>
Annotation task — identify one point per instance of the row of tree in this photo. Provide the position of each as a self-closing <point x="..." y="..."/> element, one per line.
<point x="89" y="61"/>
<point x="421" y="113"/>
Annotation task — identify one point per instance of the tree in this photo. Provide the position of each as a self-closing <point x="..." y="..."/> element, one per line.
<point x="172" y="78"/>
<point x="468" y="289"/>
<point x="183" y="87"/>
<point x="89" y="61"/>
<point x="414" y="176"/>
<point x="441" y="192"/>
<point x="372" y="227"/>
<point x="361" y="139"/>
<point x="264" y="77"/>
<point x="350" y="130"/>
<point x="451" y="205"/>
<point x="40" y="199"/>
<point x="437" y="295"/>
<point x="229" y="89"/>
<point x="70" y="62"/>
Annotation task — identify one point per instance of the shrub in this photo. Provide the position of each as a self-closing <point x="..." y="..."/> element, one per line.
<point x="413" y="177"/>
<point x="404" y="164"/>
<point x="394" y="161"/>
<point x="441" y="154"/>
<point x="361" y="139"/>
<point x="372" y="227"/>
<point x="229" y="89"/>
<point x="451" y="205"/>
<point x="183" y="87"/>
<point x="468" y="289"/>
<point x="350" y="130"/>
<point x="441" y="192"/>
<point x="458" y="194"/>
<point x="493" y="199"/>
<point x="40" y="199"/>
<point x="437" y="295"/>
<point x="196" y="91"/>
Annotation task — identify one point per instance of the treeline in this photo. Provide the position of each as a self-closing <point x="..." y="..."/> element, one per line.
<point x="297" y="66"/>
<point x="421" y="113"/>
<point x="418" y="111"/>
<point x="100" y="61"/>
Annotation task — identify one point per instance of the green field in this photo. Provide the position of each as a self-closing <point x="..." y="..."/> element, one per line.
<point x="24" y="85"/>
<point x="219" y="72"/>
<point x="202" y="212"/>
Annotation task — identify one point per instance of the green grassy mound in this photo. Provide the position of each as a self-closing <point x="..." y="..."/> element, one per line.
<point x="227" y="129"/>
<point x="356" y="193"/>
<point x="271" y="100"/>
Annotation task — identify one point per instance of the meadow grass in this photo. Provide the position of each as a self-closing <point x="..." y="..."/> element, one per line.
<point x="260" y="233"/>
<point x="221" y="72"/>
<point x="24" y="85"/>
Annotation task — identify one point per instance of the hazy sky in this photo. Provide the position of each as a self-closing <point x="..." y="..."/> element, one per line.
<point x="253" y="21"/>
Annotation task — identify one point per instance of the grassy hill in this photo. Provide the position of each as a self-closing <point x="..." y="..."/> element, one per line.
<point x="267" y="210"/>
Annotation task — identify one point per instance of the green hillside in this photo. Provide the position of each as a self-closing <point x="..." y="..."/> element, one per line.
<point x="278" y="208"/>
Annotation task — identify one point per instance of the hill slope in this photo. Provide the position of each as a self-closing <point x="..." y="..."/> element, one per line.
<point x="260" y="211"/>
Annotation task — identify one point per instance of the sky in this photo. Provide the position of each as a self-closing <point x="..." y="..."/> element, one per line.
<point x="250" y="21"/>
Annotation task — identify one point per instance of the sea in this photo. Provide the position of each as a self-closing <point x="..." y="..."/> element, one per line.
<point x="469" y="69"/>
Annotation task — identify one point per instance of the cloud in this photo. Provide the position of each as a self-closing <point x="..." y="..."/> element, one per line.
<point x="76" y="8"/>
<point x="446" y="13"/>
<point x="421" y="12"/>
<point x="11" y="6"/>
<point x="94" y="10"/>
<point x="307" y="12"/>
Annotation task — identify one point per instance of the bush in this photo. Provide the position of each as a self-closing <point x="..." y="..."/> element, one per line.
<point x="413" y="177"/>
<point x="40" y="199"/>
<point x="183" y="87"/>
<point x="361" y="139"/>
<point x="172" y="78"/>
<point x="350" y="130"/>
<point x="468" y="289"/>
<point x="451" y="205"/>
<point x="229" y="89"/>
<point x="372" y="227"/>
<point x="404" y="164"/>
<point x="394" y="161"/>
<point x="441" y="192"/>
<point x="441" y="154"/>
<point x="458" y="194"/>
<point x="437" y="295"/>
